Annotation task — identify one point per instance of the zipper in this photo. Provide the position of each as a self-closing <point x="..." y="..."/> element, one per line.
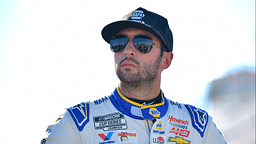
<point x="150" y="125"/>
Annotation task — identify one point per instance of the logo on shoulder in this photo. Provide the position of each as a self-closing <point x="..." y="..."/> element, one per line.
<point x="80" y="115"/>
<point x="97" y="102"/>
<point x="199" y="118"/>
<point x="176" y="104"/>
<point x="154" y="112"/>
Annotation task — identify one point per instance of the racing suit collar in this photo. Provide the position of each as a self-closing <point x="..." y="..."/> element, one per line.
<point x="137" y="110"/>
<point x="138" y="104"/>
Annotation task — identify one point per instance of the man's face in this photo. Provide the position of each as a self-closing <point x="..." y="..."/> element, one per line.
<point x="133" y="66"/>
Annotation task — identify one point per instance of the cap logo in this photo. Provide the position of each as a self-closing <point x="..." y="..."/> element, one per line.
<point x="137" y="16"/>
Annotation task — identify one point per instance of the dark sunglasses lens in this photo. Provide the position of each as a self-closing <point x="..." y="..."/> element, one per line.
<point x="117" y="44"/>
<point x="143" y="44"/>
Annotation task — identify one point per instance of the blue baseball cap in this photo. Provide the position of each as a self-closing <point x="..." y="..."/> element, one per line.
<point x="145" y="20"/>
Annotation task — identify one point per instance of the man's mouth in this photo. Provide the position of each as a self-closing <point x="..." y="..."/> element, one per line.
<point x="128" y="63"/>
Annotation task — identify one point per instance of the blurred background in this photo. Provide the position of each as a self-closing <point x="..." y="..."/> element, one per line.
<point x="52" y="56"/>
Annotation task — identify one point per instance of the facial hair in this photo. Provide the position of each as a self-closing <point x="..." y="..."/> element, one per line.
<point x="145" y="74"/>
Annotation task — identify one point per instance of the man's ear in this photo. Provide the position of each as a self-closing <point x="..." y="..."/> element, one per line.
<point x="166" y="60"/>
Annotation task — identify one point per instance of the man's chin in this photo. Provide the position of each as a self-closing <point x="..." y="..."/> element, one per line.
<point x="128" y="78"/>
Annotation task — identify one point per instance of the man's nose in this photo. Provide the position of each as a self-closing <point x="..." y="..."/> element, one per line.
<point x="130" y="50"/>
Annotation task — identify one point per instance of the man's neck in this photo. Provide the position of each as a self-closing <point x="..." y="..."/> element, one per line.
<point x="142" y="91"/>
<point x="156" y="100"/>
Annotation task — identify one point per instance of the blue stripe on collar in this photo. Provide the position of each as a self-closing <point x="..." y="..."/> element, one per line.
<point x="136" y="110"/>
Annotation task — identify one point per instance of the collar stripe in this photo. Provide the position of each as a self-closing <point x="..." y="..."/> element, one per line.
<point x="140" y="105"/>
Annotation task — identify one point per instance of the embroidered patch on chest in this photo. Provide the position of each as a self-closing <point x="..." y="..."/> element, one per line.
<point x="113" y="121"/>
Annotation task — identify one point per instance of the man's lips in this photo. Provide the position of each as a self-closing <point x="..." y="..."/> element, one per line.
<point x="128" y="63"/>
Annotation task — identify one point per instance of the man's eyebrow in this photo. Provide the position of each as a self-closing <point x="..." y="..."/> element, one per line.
<point x="119" y="36"/>
<point x="143" y="35"/>
<point x="139" y="35"/>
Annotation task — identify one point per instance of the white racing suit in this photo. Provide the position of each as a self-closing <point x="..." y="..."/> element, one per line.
<point x="116" y="119"/>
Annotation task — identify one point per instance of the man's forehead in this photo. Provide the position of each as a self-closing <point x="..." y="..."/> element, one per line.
<point x="134" y="31"/>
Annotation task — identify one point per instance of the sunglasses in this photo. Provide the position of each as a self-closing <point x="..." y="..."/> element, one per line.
<point x="143" y="43"/>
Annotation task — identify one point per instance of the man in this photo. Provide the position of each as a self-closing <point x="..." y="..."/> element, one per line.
<point x="137" y="112"/>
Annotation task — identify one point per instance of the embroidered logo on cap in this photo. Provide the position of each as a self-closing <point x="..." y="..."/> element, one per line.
<point x="137" y="16"/>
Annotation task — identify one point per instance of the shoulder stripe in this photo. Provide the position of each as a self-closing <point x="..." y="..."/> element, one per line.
<point x="80" y="115"/>
<point x="199" y="118"/>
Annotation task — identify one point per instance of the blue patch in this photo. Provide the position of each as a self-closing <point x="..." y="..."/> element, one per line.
<point x="176" y="104"/>
<point x="80" y="115"/>
<point x="97" y="102"/>
<point x="199" y="118"/>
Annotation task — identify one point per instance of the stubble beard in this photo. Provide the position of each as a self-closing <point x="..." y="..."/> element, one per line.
<point x="145" y="75"/>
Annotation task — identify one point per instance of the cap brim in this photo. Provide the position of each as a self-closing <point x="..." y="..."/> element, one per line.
<point x="110" y="30"/>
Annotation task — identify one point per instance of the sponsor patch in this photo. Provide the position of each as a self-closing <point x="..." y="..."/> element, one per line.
<point x="115" y="121"/>
<point x="127" y="137"/>
<point x="97" y="102"/>
<point x="106" y="138"/>
<point x="159" y="140"/>
<point x="159" y="127"/>
<point x="179" y="126"/>
<point x="154" y="112"/>
<point x="178" y="122"/>
<point x="180" y="132"/>
<point x="178" y="140"/>
<point x="176" y="104"/>
<point x="136" y="111"/>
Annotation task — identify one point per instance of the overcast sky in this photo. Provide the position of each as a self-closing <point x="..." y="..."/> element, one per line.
<point x="52" y="55"/>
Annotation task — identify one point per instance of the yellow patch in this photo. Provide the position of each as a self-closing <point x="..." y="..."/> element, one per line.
<point x="154" y="112"/>
<point x="159" y="126"/>
<point x="178" y="140"/>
